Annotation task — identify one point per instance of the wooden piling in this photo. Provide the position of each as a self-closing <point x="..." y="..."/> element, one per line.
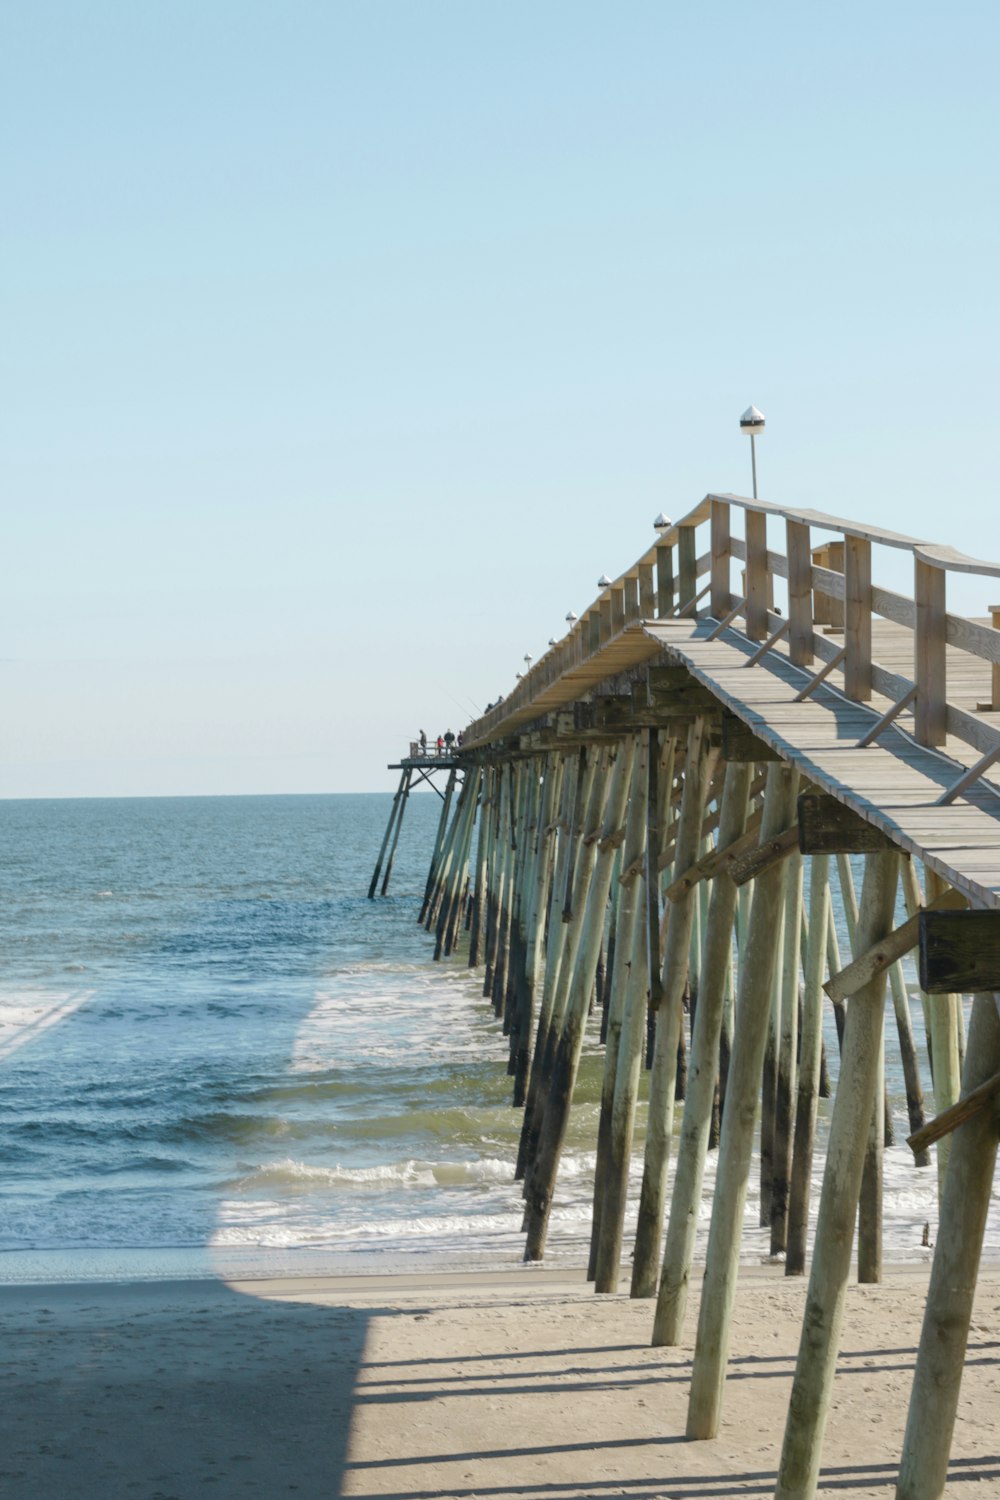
<point x="660" y="1118"/>
<point x="637" y="928"/>
<point x="942" y="1037"/>
<point x="583" y="854"/>
<point x="685" y="1202"/>
<point x="757" y="971"/>
<point x="785" y="1081"/>
<point x="395" y="816"/>
<point x="645" y="756"/>
<point x="442" y="829"/>
<point x="405" y="789"/>
<point x="566" y="1060"/>
<point x="555" y="946"/>
<point x="849" y="1130"/>
<point x="944" y="1336"/>
<point x="810" y="1056"/>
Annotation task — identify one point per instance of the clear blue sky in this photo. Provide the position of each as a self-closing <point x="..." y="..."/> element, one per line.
<point x="343" y="346"/>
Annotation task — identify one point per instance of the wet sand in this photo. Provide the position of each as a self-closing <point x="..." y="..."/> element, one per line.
<point x="522" y="1384"/>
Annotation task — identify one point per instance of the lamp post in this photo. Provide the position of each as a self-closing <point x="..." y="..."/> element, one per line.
<point x="752" y="422"/>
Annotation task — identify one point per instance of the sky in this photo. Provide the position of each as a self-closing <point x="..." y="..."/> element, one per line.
<point x="345" y="345"/>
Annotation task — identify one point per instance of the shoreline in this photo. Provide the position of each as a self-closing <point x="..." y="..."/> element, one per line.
<point x="518" y="1383"/>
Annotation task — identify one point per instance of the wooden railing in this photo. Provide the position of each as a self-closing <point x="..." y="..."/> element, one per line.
<point x="827" y="585"/>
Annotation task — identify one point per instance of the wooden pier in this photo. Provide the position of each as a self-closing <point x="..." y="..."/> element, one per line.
<point x="664" y="804"/>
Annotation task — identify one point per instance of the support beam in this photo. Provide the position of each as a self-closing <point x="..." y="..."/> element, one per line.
<point x="828" y="826"/>
<point x="959" y="951"/>
<point x="768" y="853"/>
<point x="757" y="969"/>
<point x="798" y="1473"/>
<point x="937" y="1380"/>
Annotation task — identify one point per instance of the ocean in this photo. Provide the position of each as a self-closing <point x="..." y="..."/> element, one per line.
<point x="219" y="1058"/>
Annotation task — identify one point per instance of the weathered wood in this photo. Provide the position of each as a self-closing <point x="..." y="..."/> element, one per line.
<point x="828" y="826"/>
<point x="594" y="790"/>
<point x="929" y="654"/>
<point x="944" y="1124"/>
<point x="887" y="718"/>
<point x="647" y="591"/>
<point x="870" y="1196"/>
<point x="659" y="1126"/>
<point x="395" y="817"/>
<point x="959" y="951"/>
<point x="828" y="584"/>
<point x="757" y="968"/>
<point x="408" y="776"/>
<point x="772" y="640"/>
<point x="810" y="1057"/>
<point x="697" y="1119"/>
<point x="665" y="588"/>
<point x="941" y="1354"/>
<point x="687" y="568"/>
<point x="800" y="606"/>
<point x="566" y="1061"/>
<point x="801" y="1454"/>
<point x="908" y="1059"/>
<point x="768" y="853"/>
<point x="858" y="618"/>
<point x="942" y="1035"/>
<point x="442" y="830"/>
<point x="573" y="775"/>
<point x="989" y="758"/>
<point x="644" y="752"/>
<point x="721" y="558"/>
<point x="786" y="1076"/>
<point x="757" y="591"/>
<point x="740" y="743"/>
<point x="629" y="1060"/>
<point x="821" y="676"/>
<point x="898" y="942"/>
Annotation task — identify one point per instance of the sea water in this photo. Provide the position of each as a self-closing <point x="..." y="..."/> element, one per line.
<point x="218" y="1057"/>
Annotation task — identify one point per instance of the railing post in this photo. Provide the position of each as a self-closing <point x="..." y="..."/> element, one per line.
<point x="931" y="712"/>
<point x="826" y="609"/>
<point x="647" y="597"/>
<point x="995" y="670"/>
<point x="687" y="567"/>
<point x="858" y="618"/>
<point x="756" y="575"/>
<point x="617" y="609"/>
<point x="664" y="580"/>
<point x="593" y="630"/>
<point x="630" y="590"/>
<point x="721" y="557"/>
<point x="606" y="623"/>
<point x="800" y="599"/>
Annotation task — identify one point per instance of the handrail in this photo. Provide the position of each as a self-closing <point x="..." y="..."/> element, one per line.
<point x="830" y="583"/>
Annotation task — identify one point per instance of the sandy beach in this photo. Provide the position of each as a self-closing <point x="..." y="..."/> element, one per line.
<point x="520" y="1384"/>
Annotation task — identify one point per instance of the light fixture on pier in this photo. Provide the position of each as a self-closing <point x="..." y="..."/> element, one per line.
<point x="552" y="640"/>
<point x="752" y="423"/>
<point x="519" y="675"/>
<point x="571" y="618"/>
<point x="604" y="581"/>
<point x="662" y="522"/>
<point x="528" y="658"/>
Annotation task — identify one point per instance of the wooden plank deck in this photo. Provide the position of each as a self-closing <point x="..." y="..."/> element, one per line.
<point x="895" y="783"/>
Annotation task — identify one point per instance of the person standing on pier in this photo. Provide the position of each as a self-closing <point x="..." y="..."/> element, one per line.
<point x="440" y="745"/>
<point x="449" y="740"/>
<point x="423" y="742"/>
